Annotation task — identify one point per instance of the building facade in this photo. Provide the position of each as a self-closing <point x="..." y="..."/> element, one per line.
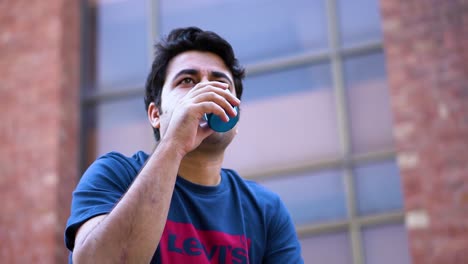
<point x="355" y="112"/>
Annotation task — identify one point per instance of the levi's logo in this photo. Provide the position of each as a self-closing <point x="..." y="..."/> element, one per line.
<point x="182" y="243"/>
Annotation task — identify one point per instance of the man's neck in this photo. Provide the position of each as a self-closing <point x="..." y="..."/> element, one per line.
<point x="202" y="168"/>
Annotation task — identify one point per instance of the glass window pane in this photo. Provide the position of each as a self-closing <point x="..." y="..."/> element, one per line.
<point x="256" y="29"/>
<point x="327" y="248"/>
<point x="311" y="197"/>
<point x="386" y="245"/>
<point x="121" y="43"/>
<point x="368" y="102"/>
<point x="286" y="117"/>
<point x="378" y="187"/>
<point x="122" y="126"/>
<point x="287" y="81"/>
<point x="359" y="21"/>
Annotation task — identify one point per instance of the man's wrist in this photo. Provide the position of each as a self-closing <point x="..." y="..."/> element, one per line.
<point x="171" y="148"/>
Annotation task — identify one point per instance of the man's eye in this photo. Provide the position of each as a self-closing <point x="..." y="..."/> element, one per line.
<point x="187" y="81"/>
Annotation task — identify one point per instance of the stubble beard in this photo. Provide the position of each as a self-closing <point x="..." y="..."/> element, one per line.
<point x="217" y="142"/>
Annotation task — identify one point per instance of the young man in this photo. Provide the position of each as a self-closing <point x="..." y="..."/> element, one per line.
<point x="178" y="205"/>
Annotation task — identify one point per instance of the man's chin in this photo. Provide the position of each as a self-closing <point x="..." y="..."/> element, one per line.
<point x="218" y="140"/>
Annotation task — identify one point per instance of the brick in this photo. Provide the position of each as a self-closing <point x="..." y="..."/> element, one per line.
<point x="425" y="43"/>
<point x="39" y="50"/>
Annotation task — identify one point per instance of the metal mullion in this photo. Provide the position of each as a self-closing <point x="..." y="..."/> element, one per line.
<point x="384" y="218"/>
<point x="153" y="27"/>
<point x="373" y="156"/>
<point x="364" y="48"/>
<point x="299" y="167"/>
<point x="356" y="243"/>
<point x="308" y="58"/>
<point x="343" y="126"/>
<point x="109" y="95"/>
<point x="84" y="80"/>
<point x="354" y="227"/>
<point x="81" y="122"/>
<point x="338" y="80"/>
<point x="338" y="226"/>
<point x="286" y="62"/>
<point x="321" y="228"/>
<point x="357" y="222"/>
<point x="291" y="169"/>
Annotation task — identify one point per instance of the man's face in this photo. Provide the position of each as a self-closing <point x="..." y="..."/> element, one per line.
<point x="183" y="73"/>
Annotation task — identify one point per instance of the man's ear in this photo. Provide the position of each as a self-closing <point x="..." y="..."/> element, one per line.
<point x="154" y="115"/>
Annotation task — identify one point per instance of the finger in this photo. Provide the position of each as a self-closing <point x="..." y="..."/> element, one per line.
<point x="202" y="85"/>
<point x="211" y="107"/>
<point x="204" y="131"/>
<point x="218" y="99"/>
<point x="231" y="98"/>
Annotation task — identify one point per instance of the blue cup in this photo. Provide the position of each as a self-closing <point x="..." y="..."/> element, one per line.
<point x="218" y="125"/>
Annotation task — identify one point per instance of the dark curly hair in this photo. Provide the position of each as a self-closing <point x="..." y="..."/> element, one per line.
<point x="186" y="39"/>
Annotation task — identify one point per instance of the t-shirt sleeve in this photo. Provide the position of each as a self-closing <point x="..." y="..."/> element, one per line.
<point x="282" y="243"/>
<point x="97" y="192"/>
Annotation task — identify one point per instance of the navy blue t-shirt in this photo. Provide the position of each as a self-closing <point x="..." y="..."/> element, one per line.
<point x="237" y="221"/>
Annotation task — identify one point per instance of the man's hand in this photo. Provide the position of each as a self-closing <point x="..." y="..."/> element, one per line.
<point x="184" y="128"/>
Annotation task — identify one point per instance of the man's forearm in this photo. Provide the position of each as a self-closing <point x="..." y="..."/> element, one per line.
<point x="131" y="232"/>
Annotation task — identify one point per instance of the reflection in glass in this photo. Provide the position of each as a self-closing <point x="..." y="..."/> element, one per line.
<point x="123" y="126"/>
<point x="121" y="43"/>
<point x="360" y="21"/>
<point x="286" y="117"/>
<point x="386" y="245"/>
<point x="331" y="248"/>
<point x="311" y="197"/>
<point x="256" y="29"/>
<point x="368" y="103"/>
<point x="378" y="187"/>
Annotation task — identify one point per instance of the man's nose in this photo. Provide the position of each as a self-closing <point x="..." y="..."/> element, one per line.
<point x="205" y="78"/>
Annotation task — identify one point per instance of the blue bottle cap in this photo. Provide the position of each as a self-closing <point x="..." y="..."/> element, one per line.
<point x="218" y="125"/>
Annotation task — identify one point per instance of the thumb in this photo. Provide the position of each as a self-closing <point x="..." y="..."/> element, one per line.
<point x="204" y="131"/>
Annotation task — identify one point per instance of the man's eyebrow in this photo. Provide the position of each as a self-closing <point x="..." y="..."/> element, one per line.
<point x="186" y="72"/>
<point x="214" y="74"/>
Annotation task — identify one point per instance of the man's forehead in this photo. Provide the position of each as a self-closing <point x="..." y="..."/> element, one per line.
<point x="197" y="60"/>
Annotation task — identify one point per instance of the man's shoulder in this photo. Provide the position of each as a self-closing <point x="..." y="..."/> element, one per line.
<point x="117" y="160"/>
<point x="138" y="158"/>
<point x="114" y="165"/>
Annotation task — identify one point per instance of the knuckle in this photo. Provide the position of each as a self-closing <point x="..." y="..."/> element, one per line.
<point x="213" y="104"/>
<point x="212" y="94"/>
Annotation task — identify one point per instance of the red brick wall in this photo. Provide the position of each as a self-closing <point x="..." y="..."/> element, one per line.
<point x="426" y="44"/>
<point x="39" y="89"/>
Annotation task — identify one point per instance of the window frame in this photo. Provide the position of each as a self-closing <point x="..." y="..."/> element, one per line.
<point x="335" y="55"/>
